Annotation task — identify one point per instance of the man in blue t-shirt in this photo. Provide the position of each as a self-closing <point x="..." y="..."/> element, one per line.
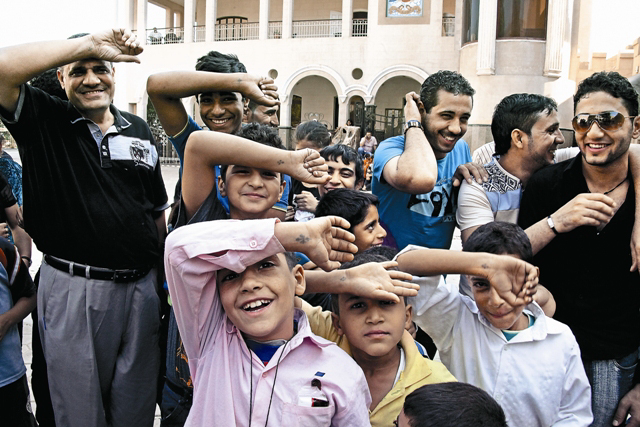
<point x="414" y="174"/>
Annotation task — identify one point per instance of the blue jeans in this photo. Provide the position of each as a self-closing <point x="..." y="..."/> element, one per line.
<point x="610" y="380"/>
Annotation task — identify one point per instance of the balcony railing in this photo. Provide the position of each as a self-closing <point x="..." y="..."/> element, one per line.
<point x="360" y="27"/>
<point x="322" y="28"/>
<point x="199" y="33"/>
<point x="448" y="26"/>
<point x="251" y="31"/>
<point x="170" y="35"/>
<point x="275" y="29"/>
<point x="238" y="31"/>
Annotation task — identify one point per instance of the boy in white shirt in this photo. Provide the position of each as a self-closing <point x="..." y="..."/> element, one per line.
<point x="502" y="342"/>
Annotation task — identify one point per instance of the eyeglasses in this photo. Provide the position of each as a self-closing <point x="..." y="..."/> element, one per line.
<point x="609" y="121"/>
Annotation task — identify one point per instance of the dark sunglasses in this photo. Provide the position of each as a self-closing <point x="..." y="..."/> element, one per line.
<point x="609" y="121"/>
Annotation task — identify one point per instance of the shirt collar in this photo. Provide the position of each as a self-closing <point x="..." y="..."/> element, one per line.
<point x="119" y="122"/>
<point x="539" y="331"/>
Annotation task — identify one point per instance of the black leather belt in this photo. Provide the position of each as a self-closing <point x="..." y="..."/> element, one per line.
<point x="96" y="273"/>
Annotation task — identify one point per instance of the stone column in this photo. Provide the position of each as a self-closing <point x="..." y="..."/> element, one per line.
<point x="189" y="17"/>
<point x="210" y="20"/>
<point x="488" y="22"/>
<point x="287" y="19"/>
<point x="264" y="20"/>
<point x="141" y="23"/>
<point x="347" y="18"/>
<point x="557" y="22"/>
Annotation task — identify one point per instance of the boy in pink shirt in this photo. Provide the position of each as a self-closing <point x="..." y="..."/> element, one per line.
<point x="253" y="358"/>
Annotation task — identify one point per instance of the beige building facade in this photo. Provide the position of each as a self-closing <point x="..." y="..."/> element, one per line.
<point x="339" y="60"/>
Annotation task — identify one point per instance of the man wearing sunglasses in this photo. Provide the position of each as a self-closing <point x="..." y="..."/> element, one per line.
<point x="581" y="214"/>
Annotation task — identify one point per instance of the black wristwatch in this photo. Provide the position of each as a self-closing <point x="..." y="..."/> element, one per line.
<point x="411" y="124"/>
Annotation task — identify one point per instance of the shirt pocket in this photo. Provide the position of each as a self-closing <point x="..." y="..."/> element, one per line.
<point x="305" y="416"/>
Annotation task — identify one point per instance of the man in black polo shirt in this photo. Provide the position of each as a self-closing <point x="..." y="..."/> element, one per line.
<point x="94" y="204"/>
<point x="581" y="213"/>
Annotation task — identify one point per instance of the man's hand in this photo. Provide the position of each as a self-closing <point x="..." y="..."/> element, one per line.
<point x="325" y="240"/>
<point x="629" y="405"/>
<point x="376" y="281"/>
<point x="308" y="166"/>
<point x="411" y="108"/>
<point x="117" y="45"/>
<point x="468" y="170"/>
<point x="259" y="89"/>
<point x="593" y="209"/>
<point x="305" y="201"/>
<point x="514" y="280"/>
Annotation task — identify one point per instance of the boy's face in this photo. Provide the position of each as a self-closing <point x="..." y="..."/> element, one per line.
<point x="369" y="232"/>
<point x="498" y="312"/>
<point x="259" y="301"/>
<point x="342" y="176"/>
<point x="222" y="111"/>
<point x="372" y="327"/>
<point x="251" y="192"/>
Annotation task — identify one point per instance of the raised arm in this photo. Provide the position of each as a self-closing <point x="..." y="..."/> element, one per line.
<point x="20" y="237"/>
<point x="20" y="63"/>
<point x="508" y="275"/>
<point x="206" y="149"/>
<point x="371" y="280"/>
<point x="415" y="171"/>
<point x="166" y="90"/>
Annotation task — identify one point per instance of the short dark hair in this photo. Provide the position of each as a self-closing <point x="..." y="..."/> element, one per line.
<point x="314" y="132"/>
<point x="500" y="238"/>
<point x="360" y="258"/>
<point x="518" y="111"/>
<point x="446" y="80"/>
<point x="292" y="259"/>
<point x="216" y="62"/>
<point x="452" y="404"/>
<point x="256" y="132"/>
<point x="48" y="82"/>
<point x="351" y="205"/>
<point x="612" y="83"/>
<point x="348" y="154"/>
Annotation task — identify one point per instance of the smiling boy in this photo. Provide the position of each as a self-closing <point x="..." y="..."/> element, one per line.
<point x="360" y="209"/>
<point x="502" y="342"/>
<point x="373" y="332"/>
<point x="344" y="167"/>
<point x="252" y="355"/>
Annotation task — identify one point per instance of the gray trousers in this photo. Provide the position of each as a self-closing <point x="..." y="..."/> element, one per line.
<point x="100" y="342"/>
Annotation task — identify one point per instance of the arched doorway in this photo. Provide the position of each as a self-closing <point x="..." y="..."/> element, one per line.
<point x="389" y="101"/>
<point x="313" y="98"/>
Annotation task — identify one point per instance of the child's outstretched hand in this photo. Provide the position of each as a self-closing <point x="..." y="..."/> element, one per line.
<point x="376" y="281"/>
<point x="514" y="280"/>
<point x="325" y="240"/>
<point x="308" y="166"/>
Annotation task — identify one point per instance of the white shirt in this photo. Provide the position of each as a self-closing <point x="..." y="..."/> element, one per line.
<point x="537" y="377"/>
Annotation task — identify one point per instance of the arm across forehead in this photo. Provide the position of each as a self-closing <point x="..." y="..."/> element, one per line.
<point x="19" y="64"/>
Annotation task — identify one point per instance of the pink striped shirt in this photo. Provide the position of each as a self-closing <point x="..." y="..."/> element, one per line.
<point x="218" y="356"/>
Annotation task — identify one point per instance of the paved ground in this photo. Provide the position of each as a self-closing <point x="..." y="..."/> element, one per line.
<point x="170" y="175"/>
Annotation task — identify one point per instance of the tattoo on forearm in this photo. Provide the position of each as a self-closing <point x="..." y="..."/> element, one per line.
<point x="343" y="278"/>
<point x="485" y="267"/>
<point x="281" y="162"/>
<point x="302" y="239"/>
